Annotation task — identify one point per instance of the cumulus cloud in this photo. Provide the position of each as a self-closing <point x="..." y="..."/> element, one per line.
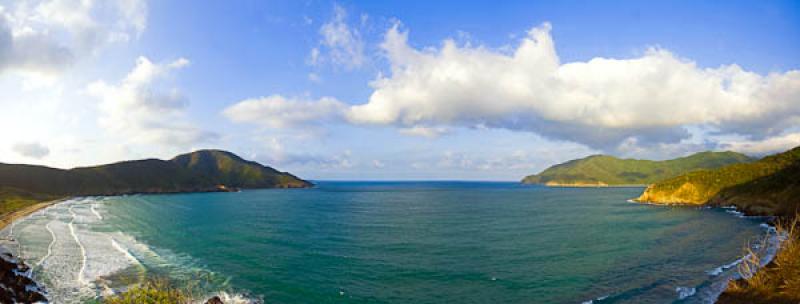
<point x="31" y="150"/>
<point x="604" y="103"/>
<point x="44" y="36"/>
<point x="143" y="109"/>
<point x="599" y="102"/>
<point x="340" y="43"/>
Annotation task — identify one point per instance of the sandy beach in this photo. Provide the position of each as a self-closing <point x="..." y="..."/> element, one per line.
<point x="9" y="218"/>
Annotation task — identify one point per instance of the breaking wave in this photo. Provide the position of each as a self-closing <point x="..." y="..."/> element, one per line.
<point x="80" y="257"/>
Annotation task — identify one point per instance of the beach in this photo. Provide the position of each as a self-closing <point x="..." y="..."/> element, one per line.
<point x="15" y="274"/>
<point x="10" y="217"/>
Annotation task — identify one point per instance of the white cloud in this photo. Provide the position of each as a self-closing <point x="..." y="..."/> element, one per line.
<point x="766" y="146"/>
<point x="44" y="37"/>
<point x="341" y="43"/>
<point x="424" y="131"/>
<point x="142" y="109"/>
<point x="279" y="112"/>
<point x="599" y="103"/>
<point x="378" y="164"/>
<point x="31" y="150"/>
<point x="604" y="103"/>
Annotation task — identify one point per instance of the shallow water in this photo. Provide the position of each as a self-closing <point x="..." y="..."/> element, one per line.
<point x="411" y="242"/>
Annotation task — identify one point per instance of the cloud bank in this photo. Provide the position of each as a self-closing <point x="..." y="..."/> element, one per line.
<point x="142" y="108"/>
<point x="44" y="37"/>
<point x="602" y="103"/>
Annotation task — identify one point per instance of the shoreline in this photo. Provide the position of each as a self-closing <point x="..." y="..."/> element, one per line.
<point x="742" y="214"/>
<point x="9" y="218"/>
<point x="579" y="185"/>
<point x="17" y="281"/>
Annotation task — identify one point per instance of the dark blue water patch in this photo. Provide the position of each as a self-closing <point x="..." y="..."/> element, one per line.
<point x="440" y="242"/>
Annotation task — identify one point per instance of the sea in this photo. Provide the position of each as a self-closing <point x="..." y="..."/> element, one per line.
<point x="390" y="242"/>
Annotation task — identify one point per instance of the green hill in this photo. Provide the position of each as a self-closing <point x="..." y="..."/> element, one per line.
<point x="604" y="170"/>
<point x="205" y="170"/>
<point x="768" y="186"/>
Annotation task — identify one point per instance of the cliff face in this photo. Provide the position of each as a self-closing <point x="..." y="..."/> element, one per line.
<point x="205" y="170"/>
<point x="604" y="170"/>
<point x="768" y="186"/>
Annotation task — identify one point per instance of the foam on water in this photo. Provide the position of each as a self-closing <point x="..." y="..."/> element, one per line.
<point x="685" y="292"/>
<point x="725" y="273"/>
<point x="70" y="256"/>
<point x="71" y="226"/>
<point x="99" y="217"/>
<point x="596" y="299"/>
<point x="49" y="247"/>
<point x="78" y="255"/>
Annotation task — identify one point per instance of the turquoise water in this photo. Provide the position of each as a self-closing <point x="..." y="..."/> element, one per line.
<point x="400" y="242"/>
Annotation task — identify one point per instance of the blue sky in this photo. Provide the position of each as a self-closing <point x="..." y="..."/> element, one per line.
<point x="400" y="90"/>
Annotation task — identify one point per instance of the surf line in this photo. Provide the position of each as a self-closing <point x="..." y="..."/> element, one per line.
<point x="99" y="217"/>
<point x="124" y="251"/>
<point x="83" y="250"/>
<point x="49" y="247"/>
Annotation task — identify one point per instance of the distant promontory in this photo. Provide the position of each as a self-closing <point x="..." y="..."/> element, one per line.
<point x="199" y="171"/>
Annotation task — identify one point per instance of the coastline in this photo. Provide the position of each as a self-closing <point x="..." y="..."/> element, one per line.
<point x="15" y="275"/>
<point x="586" y="185"/>
<point x="9" y="218"/>
<point x="773" y="240"/>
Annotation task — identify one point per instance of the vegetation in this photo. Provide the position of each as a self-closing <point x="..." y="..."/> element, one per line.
<point x="153" y="292"/>
<point x="12" y="199"/>
<point x="774" y="194"/>
<point x="768" y="186"/>
<point x="604" y="170"/>
<point x="205" y="170"/>
<point x="778" y="282"/>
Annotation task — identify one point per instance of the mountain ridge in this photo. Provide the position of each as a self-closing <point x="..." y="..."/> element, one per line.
<point x="770" y="186"/>
<point x="206" y="170"/>
<point x="601" y="170"/>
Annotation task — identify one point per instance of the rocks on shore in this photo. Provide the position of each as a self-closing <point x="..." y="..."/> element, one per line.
<point x="215" y="300"/>
<point x="16" y="286"/>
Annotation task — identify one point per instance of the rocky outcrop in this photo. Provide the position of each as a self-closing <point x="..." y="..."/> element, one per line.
<point x="16" y="285"/>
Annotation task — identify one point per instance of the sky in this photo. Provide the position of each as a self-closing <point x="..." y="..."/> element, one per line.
<point x="402" y="90"/>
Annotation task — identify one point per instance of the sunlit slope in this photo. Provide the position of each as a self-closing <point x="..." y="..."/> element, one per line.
<point x="604" y="170"/>
<point x="768" y="186"/>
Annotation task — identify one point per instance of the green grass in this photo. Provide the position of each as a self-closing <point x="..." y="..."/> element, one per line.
<point x="12" y="199"/>
<point x="153" y="292"/>
<point x="604" y="169"/>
